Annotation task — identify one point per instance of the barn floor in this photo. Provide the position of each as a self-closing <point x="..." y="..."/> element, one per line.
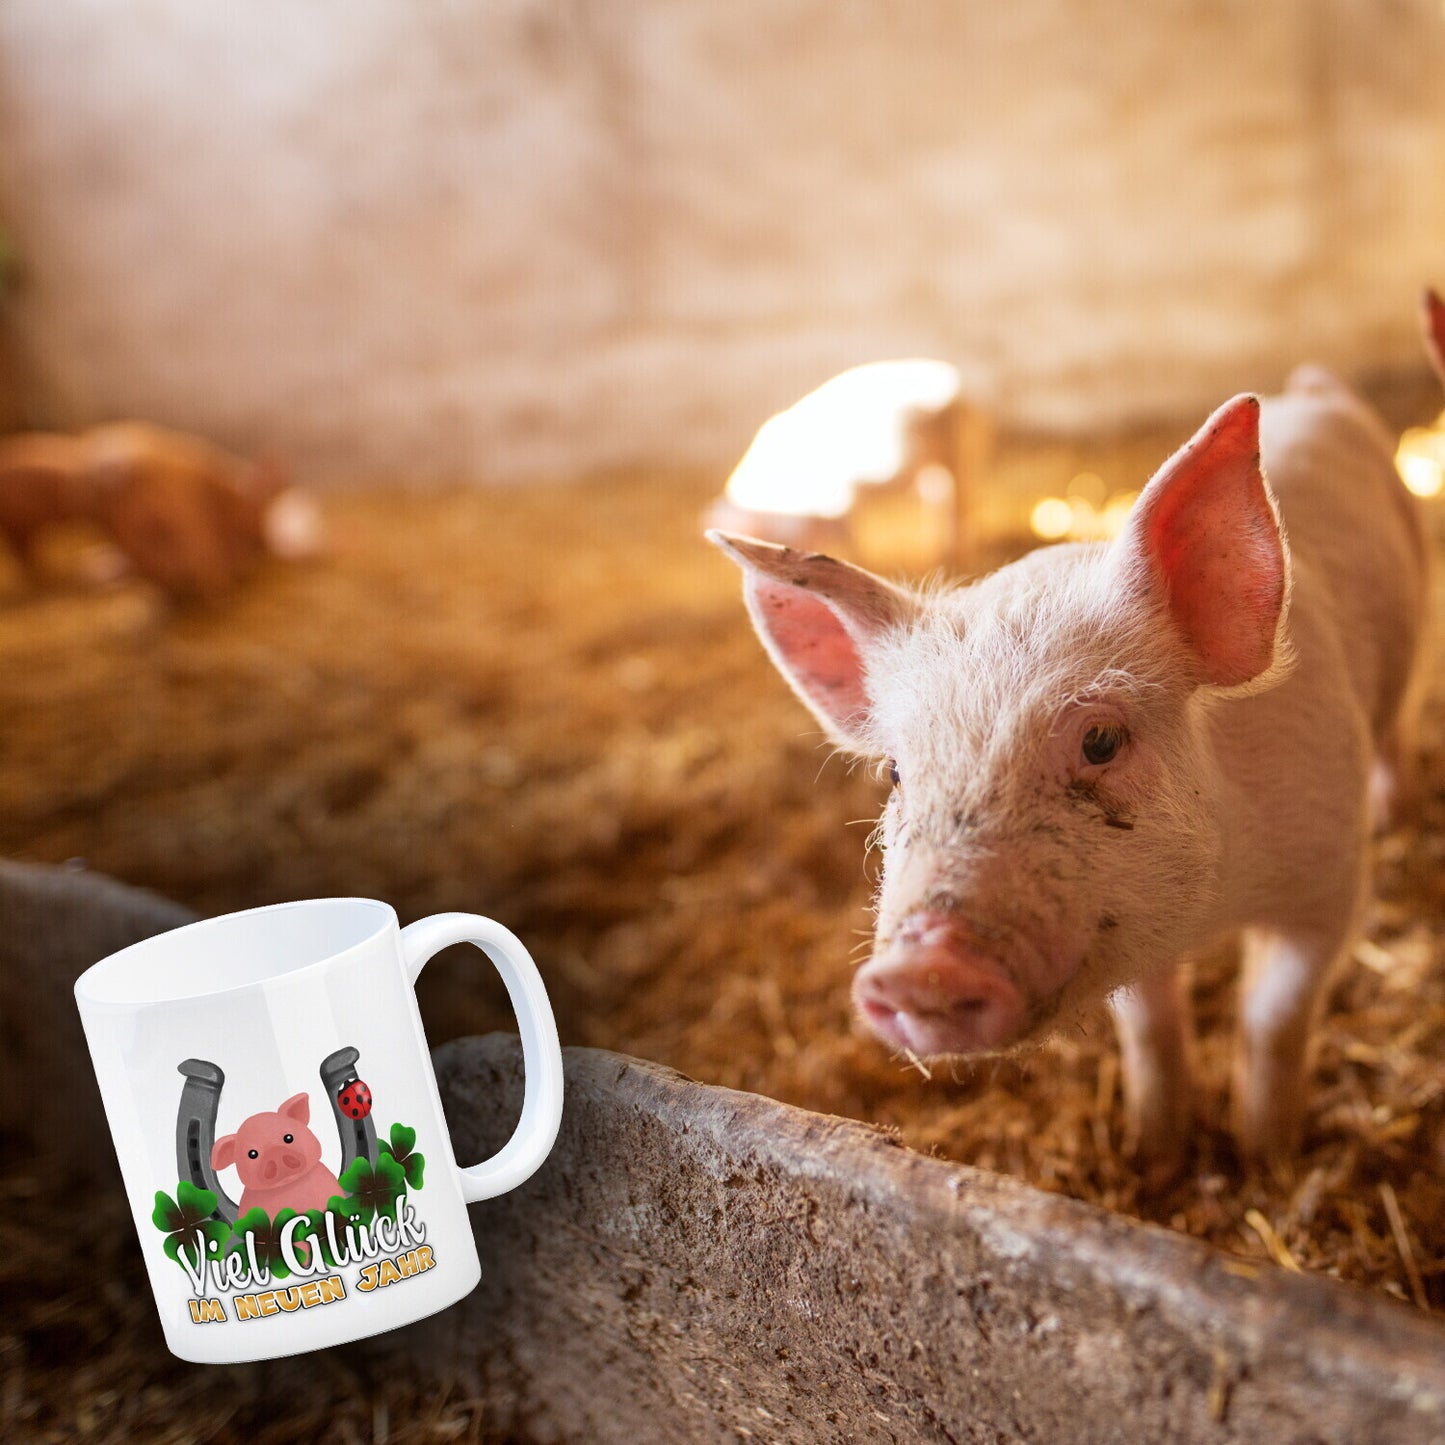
<point x="546" y="705"/>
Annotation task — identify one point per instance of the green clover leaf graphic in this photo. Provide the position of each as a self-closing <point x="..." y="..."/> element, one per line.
<point x="165" y="1210"/>
<point x="187" y="1221"/>
<point x="189" y="1207"/>
<point x="400" y="1149"/>
<point x="347" y="1211"/>
<point x="267" y="1232"/>
<point x="374" y="1190"/>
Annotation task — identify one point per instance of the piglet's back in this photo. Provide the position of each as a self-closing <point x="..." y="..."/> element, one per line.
<point x="1355" y="535"/>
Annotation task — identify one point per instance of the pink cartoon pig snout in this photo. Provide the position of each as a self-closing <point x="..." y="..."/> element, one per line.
<point x="279" y="1160"/>
<point x="278" y="1163"/>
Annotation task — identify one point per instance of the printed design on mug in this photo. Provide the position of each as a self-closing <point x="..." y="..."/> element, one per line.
<point x="294" y="1218"/>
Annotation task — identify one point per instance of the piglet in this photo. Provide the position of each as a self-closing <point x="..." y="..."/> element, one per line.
<point x="1106" y="756"/>
<point x="279" y="1161"/>
<point x="185" y="514"/>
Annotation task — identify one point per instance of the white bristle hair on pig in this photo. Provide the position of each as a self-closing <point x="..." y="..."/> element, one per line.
<point x="1107" y="756"/>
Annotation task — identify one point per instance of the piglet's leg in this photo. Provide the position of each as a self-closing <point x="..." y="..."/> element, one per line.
<point x="1281" y="985"/>
<point x="1152" y="1019"/>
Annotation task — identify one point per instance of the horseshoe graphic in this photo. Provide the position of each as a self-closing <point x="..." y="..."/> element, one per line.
<point x="201" y="1102"/>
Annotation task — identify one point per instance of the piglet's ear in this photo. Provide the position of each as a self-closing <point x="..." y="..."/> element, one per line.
<point x="223" y="1152"/>
<point x="1432" y="318"/>
<point x="817" y="617"/>
<point x="1205" y="533"/>
<point x="297" y="1107"/>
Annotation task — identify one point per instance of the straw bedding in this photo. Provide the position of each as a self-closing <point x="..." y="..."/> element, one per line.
<point x="546" y="705"/>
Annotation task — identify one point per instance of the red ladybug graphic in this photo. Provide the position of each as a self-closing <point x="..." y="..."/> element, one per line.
<point x="354" y="1100"/>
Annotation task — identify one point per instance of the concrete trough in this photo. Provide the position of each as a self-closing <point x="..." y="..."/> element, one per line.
<point x="695" y="1263"/>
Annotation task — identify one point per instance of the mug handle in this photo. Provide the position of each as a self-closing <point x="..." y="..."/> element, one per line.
<point x="522" y="1155"/>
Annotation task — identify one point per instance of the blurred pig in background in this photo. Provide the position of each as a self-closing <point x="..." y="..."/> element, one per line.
<point x="183" y="513"/>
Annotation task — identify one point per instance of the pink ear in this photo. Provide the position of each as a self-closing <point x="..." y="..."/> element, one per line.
<point x="223" y="1152"/>
<point x="297" y="1107"/>
<point x="1433" y="317"/>
<point x="816" y="616"/>
<point x="1207" y="530"/>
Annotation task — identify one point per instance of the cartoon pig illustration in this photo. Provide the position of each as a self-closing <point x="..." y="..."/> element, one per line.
<point x="279" y="1161"/>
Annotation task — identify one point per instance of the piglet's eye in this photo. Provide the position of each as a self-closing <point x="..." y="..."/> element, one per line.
<point x="288" y="1138"/>
<point x="251" y="1154"/>
<point x="893" y="772"/>
<point x="1103" y="741"/>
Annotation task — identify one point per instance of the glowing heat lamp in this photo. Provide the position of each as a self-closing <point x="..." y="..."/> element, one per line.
<point x="1420" y="458"/>
<point x="888" y="425"/>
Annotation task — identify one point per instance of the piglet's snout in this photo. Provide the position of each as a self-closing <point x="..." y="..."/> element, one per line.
<point x="933" y="990"/>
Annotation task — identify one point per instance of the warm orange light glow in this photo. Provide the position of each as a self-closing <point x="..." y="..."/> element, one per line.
<point x="1421" y="458"/>
<point x="1116" y="513"/>
<point x="1086" y="514"/>
<point x="809" y="460"/>
<point x="1052" y="519"/>
<point x="1089" y="487"/>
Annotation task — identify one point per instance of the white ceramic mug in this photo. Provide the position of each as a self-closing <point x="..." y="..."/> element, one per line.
<point x="278" y="1125"/>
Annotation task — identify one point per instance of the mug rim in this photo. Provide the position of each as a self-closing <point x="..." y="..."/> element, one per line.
<point x="91" y="987"/>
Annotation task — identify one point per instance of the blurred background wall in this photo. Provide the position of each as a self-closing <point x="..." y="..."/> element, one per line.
<point x="520" y="238"/>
